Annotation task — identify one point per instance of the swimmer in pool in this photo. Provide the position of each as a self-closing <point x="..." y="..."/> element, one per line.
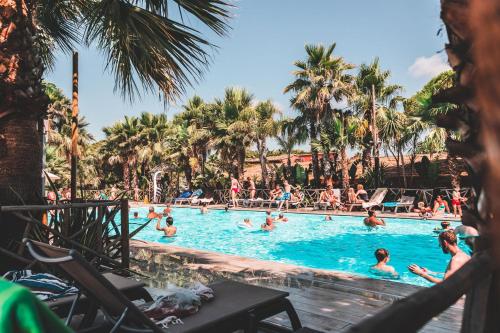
<point x="445" y="226"/>
<point x="246" y="223"/>
<point x="372" y="220"/>
<point x="169" y="230"/>
<point x="204" y="209"/>
<point x="269" y="225"/>
<point x="281" y="218"/>
<point x="136" y="215"/>
<point x="167" y="211"/>
<point x="381" y="267"/>
<point x="328" y="218"/>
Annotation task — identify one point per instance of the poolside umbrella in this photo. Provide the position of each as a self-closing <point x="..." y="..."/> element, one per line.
<point x="51" y="176"/>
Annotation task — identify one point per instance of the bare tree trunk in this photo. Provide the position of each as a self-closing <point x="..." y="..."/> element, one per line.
<point x="405" y="185"/>
<point x="366" y="159"/>
<point x="314" y="157"/>
<point x="241" y="161"/>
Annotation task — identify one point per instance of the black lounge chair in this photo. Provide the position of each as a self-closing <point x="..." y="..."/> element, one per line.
<point x="236" y="305"/>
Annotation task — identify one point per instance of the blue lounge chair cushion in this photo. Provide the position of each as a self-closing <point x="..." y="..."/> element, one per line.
<point x="390" y="204"/>
<point x="185" y="195"/>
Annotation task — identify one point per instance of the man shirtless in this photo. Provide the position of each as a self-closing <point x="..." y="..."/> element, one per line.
<point x="168" y="210"/>
<point x="152" y="214"/>
<point x="269" y="225"/>
<point x="287" y="195"/>
<point x="372" y="220"/>
<point x="169" y="230"/>
<point x="381" y="267"/>
<point x="448" y="243"/>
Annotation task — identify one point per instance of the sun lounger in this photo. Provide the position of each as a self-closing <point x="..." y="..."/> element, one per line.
<point x="322" y="205"/>
<point x="188" y="199"/>
<point x="298" y="203"/>
<point x="375" y="200"/>
<point x="184" y="195"/>
<point x="197" y="201"/>
<point x="236" y="305"/>
<point x="405" y="202"/>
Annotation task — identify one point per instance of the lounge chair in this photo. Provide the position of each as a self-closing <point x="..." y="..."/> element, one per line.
<point x="236" y="305"/>
<point x="182" y="197"/>
<point x="188" y="199"/>
<point x="405" y="202"/>
<point x="197" y="201"/>
<point x="375" y="200"/>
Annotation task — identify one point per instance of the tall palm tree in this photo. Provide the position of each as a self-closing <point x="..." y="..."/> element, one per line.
<point x="142" y="43"/>
<point x="319" y="79"/>
<point x="290" y="136"/>
<point x="374" y="92"/>
<point x="123" y="138"/>
<point x="233" y="134"/>
<point x="261" y="120"/>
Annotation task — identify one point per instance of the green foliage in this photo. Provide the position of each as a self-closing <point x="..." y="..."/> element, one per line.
<point x="369" y="177"/>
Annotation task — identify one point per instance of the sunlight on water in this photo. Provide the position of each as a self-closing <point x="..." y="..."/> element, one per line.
<point x="343" y="244"/>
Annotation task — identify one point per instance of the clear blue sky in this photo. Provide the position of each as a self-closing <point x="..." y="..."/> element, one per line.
<point x="267" y="36"/>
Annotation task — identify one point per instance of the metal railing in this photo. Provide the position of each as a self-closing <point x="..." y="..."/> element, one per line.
<point x="99" y="230"/>
<point x="311" y="196"/>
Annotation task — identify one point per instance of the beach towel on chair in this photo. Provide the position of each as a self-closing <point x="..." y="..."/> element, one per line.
<point x="45" y="286"/>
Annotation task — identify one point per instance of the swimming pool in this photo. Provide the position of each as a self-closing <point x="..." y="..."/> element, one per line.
<point x="343" y="244"/>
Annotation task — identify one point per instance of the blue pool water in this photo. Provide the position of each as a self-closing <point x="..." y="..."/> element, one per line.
<point x="343" y="244"/>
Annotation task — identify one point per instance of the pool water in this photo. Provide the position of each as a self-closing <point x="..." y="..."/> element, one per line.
<point x="343" y="244"/>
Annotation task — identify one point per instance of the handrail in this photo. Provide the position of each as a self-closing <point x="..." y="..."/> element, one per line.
<point x="59" y="206"/>
<point x="413" y="312"/>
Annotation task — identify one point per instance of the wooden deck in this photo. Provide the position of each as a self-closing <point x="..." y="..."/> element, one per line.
<point x="327" y="301"/>
<point x="330" y="310"/>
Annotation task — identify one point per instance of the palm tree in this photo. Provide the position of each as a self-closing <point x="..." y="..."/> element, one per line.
<point x="261" y="121"/>
<point x="143" y="45"/>
<point x="288" y="137"/>
<point x="373" y="92"/>
<point x="319" y="79"/>
<point x="122" y="138"/>
<point x="233" y="134"/>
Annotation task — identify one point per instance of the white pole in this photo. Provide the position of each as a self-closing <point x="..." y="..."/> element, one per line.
<point x="155" y="185"/>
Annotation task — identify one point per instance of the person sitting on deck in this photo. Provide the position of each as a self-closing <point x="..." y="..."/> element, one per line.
<point x="269" y="225"/>
<point x="276" y="193"/>
<point x="440" y="206"/>
<point x="169" y="230"/>
<point x="332" y="198"/>
<point x="361" y="194"/>
<point x="324" y="196"/>
<point x="445" y="226"/>
<point x="448" y="243"/>
<point x="351" y="195"/>
<point x="281" y="218"/>
<point x="381" y="267"/>
<point x="152" y="214"/>
<point x="204" y="208"/>
<point x="423" y="210"/>
<point x="372" y="220"/>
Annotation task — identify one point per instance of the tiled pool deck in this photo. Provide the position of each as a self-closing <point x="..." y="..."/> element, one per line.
<point x="328" y="301"/>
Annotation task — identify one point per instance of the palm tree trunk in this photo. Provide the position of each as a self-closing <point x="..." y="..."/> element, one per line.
<point x="314" y="156"/>
<point x="345" y="167"/>
<point x="405" y="185"/>
<point x="126" y="175"/>
<point x="366" y="159"/>
<point x="261" y="147"/>
<point x="135" y="179"/>
<point x="241" y="161"/>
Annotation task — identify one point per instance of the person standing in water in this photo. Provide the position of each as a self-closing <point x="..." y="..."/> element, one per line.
<point x="372" y="220"/>
<point x="381" y="267"/>
<point x="269" y="225"/>
<point x="204" y="209"/>
<point x="235" y="189"/>
<point x="448" y="243"/>
<point x="169" y="230"/>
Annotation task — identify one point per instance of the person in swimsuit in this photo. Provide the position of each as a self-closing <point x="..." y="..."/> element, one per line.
<point x="287" y="195"/>
<point x="251" y="188"/>
<point x="351" y="195"/>
<point x="456" y="202"/>
<point x="169" y="230"/>
<point x="168" y="210"/>
<point x="361" y="194"/>
<point x="448" y="243"/>
<point x="372" y="220"/>
<point x="281" y="218"/>
<point x="269" y="225"/>
<point x="152" y="214"/>
<point x="235" y="189"/>
<point x="275" y="193"/>
<point x="440" y="206"/>
<point x="204" y="209"/>
<point x="381" y="267"/>
<point x="445" y="226"/>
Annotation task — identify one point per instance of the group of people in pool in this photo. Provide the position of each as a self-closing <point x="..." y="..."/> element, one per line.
<point x="447" y="241"/>
<point x="169" y="229"/>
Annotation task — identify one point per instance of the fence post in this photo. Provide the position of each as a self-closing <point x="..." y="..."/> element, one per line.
<point x="125" y="234"/>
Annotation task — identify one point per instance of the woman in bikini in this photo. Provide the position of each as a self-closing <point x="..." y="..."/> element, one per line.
<point x="440" y="206"/>
<point x="235" y="189"/>
<point x="361" y="194"/>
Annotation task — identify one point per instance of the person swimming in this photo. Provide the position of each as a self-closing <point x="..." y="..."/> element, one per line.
<point x="136" y="215"/>
<point x="281" y="218"/>
<point x="328" y="218"/>
<point x="372" y="220"/>
<point x="169" y="230"/>
<point x="381" y="267"/>
<point x="269" y="225"/>
<point x="445" y="226"/>
<point x="204" y="208"/>
<point x="245" y="224"/>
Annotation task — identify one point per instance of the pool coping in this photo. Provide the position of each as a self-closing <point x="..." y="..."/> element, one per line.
<point x="256" y="270"/>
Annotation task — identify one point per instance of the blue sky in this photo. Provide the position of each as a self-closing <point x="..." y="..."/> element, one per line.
<point x="267" y="36"/>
